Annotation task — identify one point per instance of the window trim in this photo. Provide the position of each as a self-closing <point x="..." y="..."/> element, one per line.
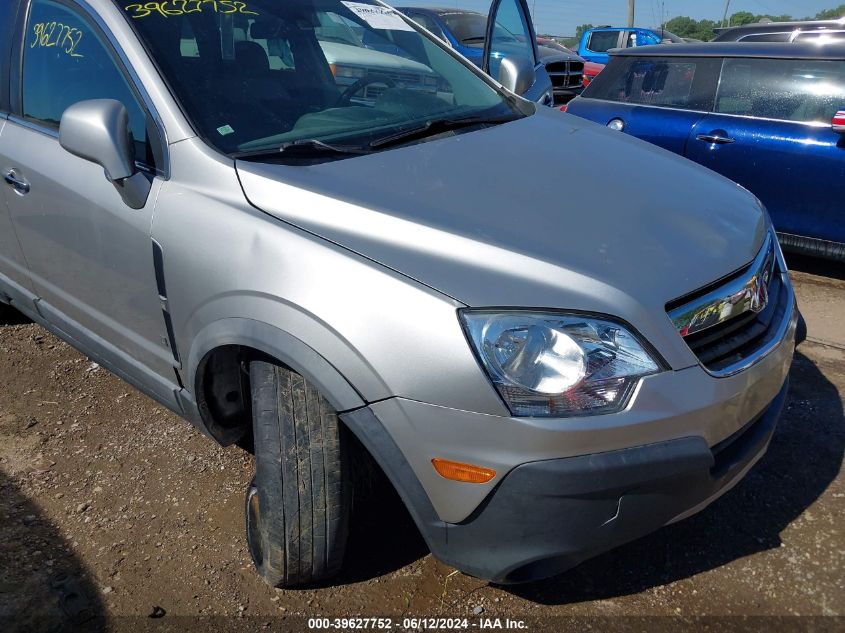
<point x="88" y="14"/>
<point x="750" y="35"/>
<point x="7" y="40"/>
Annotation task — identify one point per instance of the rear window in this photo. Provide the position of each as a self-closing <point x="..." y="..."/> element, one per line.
<point x="603" y="41"/>
<point x="466" y="27"/>
<point x="670" y="82"/>
<point x="805" y="91"/>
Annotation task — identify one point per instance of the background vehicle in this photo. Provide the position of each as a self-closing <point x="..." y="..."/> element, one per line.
<point x="342" y="42"/>
<point x="764" y="115"/>
<point x="591" y="71"/>
<point x="596" y="43"/>
<point x="819" y="30"/>
<point x="466" y="32"/>
<point x="552" y="44"/>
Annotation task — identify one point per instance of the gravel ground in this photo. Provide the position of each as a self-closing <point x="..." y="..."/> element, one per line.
<point x="112" y="510"/>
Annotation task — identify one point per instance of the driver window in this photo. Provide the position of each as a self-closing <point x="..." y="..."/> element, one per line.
<point x="65" y="62"/>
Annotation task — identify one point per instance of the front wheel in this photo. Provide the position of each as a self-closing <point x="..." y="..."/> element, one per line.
<point x="298" y="504"/>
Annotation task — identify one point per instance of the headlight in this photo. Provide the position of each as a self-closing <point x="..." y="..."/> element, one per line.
<point x="558" y="365"/>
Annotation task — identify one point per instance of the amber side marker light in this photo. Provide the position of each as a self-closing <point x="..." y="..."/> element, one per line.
<point x="466" y="473"/>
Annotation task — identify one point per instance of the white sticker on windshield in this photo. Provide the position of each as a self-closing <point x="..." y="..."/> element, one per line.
<point x="378" y="17"/>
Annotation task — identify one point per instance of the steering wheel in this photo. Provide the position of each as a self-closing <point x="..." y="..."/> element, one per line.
<point x="370" y="78"/>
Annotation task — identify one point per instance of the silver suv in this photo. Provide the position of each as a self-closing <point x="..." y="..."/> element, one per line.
<point x="543" y="362"/>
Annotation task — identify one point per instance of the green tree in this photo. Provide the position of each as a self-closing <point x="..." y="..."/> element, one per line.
<point x="683" y="26"/>
<point x="705" y="30"/>
<point x="743" y="17"/>
<point x="832" y="14"/>
<point x="582" y="29"/>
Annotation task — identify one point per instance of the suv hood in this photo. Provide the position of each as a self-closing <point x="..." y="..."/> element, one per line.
<point x="548" y="211"/>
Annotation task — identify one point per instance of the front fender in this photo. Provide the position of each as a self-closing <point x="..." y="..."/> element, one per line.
<point x="280" y="345"/>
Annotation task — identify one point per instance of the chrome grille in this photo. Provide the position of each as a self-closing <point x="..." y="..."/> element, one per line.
<point x="729" y="324"/>
<point x="566" y="74"/>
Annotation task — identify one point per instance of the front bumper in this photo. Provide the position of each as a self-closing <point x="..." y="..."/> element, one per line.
<point x="546" y="517"/>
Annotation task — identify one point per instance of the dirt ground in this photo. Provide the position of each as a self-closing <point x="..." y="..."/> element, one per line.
<point x="113" y="511"/>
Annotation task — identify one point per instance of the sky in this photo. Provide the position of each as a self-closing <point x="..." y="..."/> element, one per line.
<point x="561" y="17"/>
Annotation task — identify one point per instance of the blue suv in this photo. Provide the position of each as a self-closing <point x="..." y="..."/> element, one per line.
<point x="770" y="117"/>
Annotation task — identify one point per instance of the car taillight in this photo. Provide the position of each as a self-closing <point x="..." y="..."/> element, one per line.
<point x="564" y="107"/>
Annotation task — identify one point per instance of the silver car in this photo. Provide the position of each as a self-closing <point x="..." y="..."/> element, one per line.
<point x="542" y="373"/>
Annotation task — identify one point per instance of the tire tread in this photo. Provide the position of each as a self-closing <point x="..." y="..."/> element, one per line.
<point x="302" y="476"/>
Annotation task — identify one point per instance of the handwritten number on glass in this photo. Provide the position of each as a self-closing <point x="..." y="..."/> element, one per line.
<point x="169" y="8"/>
<point x="56" y="34"/>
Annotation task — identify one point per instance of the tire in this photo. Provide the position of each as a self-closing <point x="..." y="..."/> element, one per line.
<point x="298" y="504"/>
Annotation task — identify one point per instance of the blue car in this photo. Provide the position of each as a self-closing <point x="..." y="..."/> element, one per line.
<point x="770" y="117"/>
<point x="596" y="43"/>
<point x="465" y="31"/>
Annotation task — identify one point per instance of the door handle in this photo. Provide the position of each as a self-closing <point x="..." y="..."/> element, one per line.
<point x="717" y="139"/>
<point x="16" y="183"/>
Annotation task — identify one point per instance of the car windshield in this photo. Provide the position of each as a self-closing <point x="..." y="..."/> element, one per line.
<point x="261" y="74"/>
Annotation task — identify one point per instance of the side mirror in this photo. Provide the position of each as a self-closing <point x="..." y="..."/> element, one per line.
<point x="517" y="74"/>
<point x="839" y="122"/>
<point x="98" y="130"/>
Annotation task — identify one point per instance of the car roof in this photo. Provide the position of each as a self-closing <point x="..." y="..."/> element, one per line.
<point x="777" y="27"/>
<point x="775" y="50"/>
<point x="619" y="28"/>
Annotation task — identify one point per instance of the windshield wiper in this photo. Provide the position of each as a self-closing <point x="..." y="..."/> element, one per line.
<point x="438" y="126"/>
<point x="305" y="147"/>
<point x="476" y="38"/>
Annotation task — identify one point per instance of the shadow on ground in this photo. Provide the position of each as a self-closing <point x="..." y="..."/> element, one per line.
<point x="805" y="456"/>
<point x="43" y="586"/>
<point x="383" y="535"/>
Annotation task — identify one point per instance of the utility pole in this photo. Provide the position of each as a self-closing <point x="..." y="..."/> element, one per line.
<point x="630" y="12"/>
<point x="725" y="17"/>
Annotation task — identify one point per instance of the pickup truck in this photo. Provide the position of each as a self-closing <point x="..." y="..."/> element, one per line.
<point x="596" y="43"/>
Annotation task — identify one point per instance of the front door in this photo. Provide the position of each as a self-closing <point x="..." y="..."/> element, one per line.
<point x="12" y="264"/>
<point x="90" y="256"/>
<point x="771" y="132"/>
<point x="510" y="33"/>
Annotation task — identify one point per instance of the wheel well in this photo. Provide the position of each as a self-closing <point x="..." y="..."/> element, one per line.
<point x="223" y="395"/>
